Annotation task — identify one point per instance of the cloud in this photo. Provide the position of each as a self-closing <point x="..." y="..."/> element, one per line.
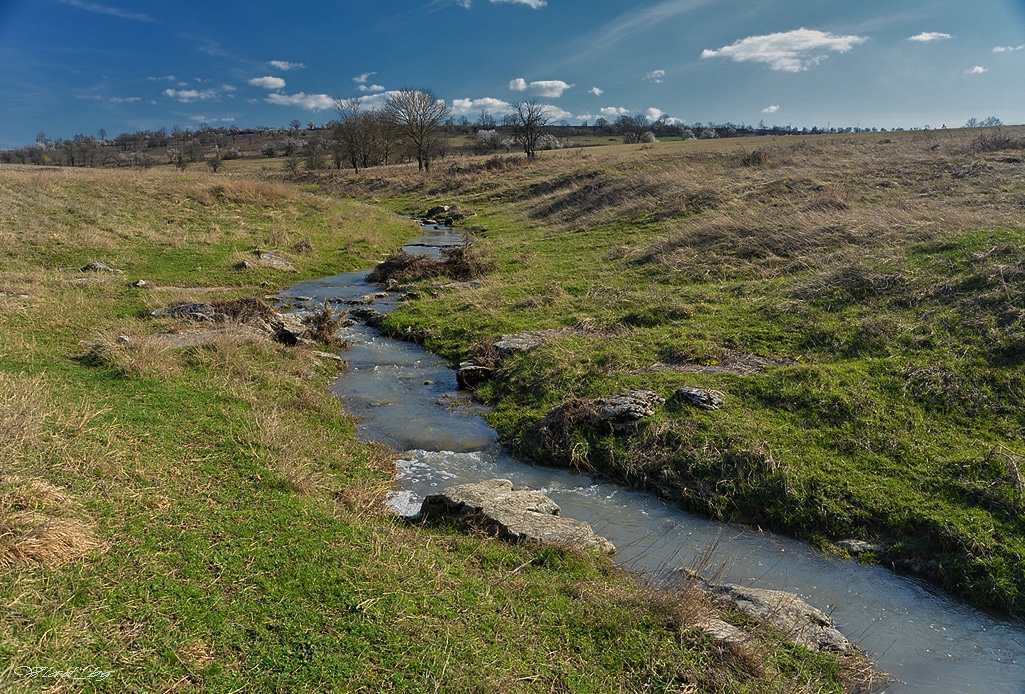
<point x="791" y="51"/>
<point x="977" y="70"/>
<point x="124" y="99"/>
<point x="655" y="76"/>
<point x="371" y="88"/>
<point x="771" y="109"/>
<point x="547" y="88"/>
<point x="555" y="113"/>
<point x="465" y="107"/>
<point x="204" y="119"/>
<point x="106" y="9"/>
<point x="927" y="36"/>
<point x="1007" y="49"/>
<point x="228" y="87"/>
<point x="362" y="79"/>
<point x="285" y="66"/>
<point x="596" y="91"/>
<point x="268" y="82"/>
<point x="165" y="78"/>
<point x="536" y="4"/>
<point x="310" y="102"/>
<point x="613" y="111"/>
<point x="653" y="113"/>
<point x="187" y="96"/>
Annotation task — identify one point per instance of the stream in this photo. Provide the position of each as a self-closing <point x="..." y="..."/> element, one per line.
<point x="408" y="400"/>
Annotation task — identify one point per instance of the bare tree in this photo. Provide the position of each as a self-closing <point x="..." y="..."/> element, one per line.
<point x="356" y="134"/>
<point x="531" y="119"/>
<point x="417" y="114"/>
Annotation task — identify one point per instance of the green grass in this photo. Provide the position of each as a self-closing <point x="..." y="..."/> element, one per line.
<point x="210" y="520"/>
<point x="891" y="271"/>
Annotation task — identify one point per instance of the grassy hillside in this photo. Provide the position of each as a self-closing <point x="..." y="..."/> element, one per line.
<point x="201" y="518"/>
<point x="858" y="299"/>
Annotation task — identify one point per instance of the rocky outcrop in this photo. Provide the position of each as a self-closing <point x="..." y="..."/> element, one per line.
<point x="496" y="507"/>
<point x="623" y="411"/>
<point x="268" y="258"/>
<point x="447" y="215"/>
<point x="799" y="621"/>
<point x="705" y="398"/>
<point x="522" y="342"/>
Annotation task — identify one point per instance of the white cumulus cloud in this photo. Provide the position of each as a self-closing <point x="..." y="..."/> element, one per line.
<point x="653" y="113"/>
<point x="790" y="51"/>
<point x="613" y="111"/>
<point x="977" y="70"/>
<point x="369" y="88"/>
<point x="927" y="36"/>
<point x="655" y="76"/>
<point x="187" y="96"/>
<point x="268" y="82"/>
<point x="362" y="79"/>
<point x="596" y="91"/>
<point x="285" y="66"/>
<point x="771" y="109"/>
<point x="466" y="107"/>
<point x="1006" y="49"/>
<point x="310" y="102"/>
<point x="556" y="114"/>
<point x="546" y="88"/>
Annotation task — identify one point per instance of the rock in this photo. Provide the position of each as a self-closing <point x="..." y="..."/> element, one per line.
<point x="243" y="265"/>
<point x="141" y="284"/>
<point x="192" y="312"/>
<point x="522" y="342"/>
<point x="365" y="314"/>
<point x="858" y="546"/>
<point x="724" y="631"/>
<point x="470" y="375"/>
<point x="623" y="411"/>
<point x="275" y="260"/>
<point x="705" y="398"/>
<point x="98" y="267"/>
<point x="802" y="623"/>
<point x="515" y="515"/>
<point x="435" y="212"/>
<point x="123" y="339"/>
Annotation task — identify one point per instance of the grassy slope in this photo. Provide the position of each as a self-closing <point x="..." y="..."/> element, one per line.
<point x="890" y="268"/>
<point x="203" y="519"/>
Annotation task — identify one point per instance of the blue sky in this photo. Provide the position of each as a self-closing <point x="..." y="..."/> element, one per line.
<point x="76" y="66"/>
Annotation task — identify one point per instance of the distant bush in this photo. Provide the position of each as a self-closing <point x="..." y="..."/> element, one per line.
<point x="269" y="150"/>
<point x="996" y="141"/>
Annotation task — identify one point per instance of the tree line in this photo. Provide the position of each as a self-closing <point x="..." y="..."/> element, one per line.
<point x="413" y="125"/>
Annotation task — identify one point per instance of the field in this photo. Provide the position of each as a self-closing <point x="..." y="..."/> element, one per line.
<point x="199" y="517"/>
<point x="857" y="298"/>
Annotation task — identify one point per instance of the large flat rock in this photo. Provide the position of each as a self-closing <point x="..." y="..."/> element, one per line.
<point x="515" y="515"/>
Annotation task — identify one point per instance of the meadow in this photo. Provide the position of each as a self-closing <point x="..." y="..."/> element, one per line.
<point x="200" y="517"/>
<point x="857" y="298"/>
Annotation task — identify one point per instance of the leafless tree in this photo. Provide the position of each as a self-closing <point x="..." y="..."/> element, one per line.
<point x="531" y="119"/>
<point x="351" y="132"/>
<point x="417" y="114"/>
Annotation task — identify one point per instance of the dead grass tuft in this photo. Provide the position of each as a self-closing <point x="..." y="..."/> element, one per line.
<point x="32" y="527"/>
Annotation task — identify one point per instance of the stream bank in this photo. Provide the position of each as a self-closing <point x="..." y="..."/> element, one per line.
<point x="409" y="400"/>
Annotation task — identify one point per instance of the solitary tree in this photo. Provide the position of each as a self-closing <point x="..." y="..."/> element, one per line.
<point x="531" y="119"/>
<point x="417" y="114"/>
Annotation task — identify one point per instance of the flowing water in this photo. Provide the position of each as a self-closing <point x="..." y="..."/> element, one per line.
<point x="408" y="400"/>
